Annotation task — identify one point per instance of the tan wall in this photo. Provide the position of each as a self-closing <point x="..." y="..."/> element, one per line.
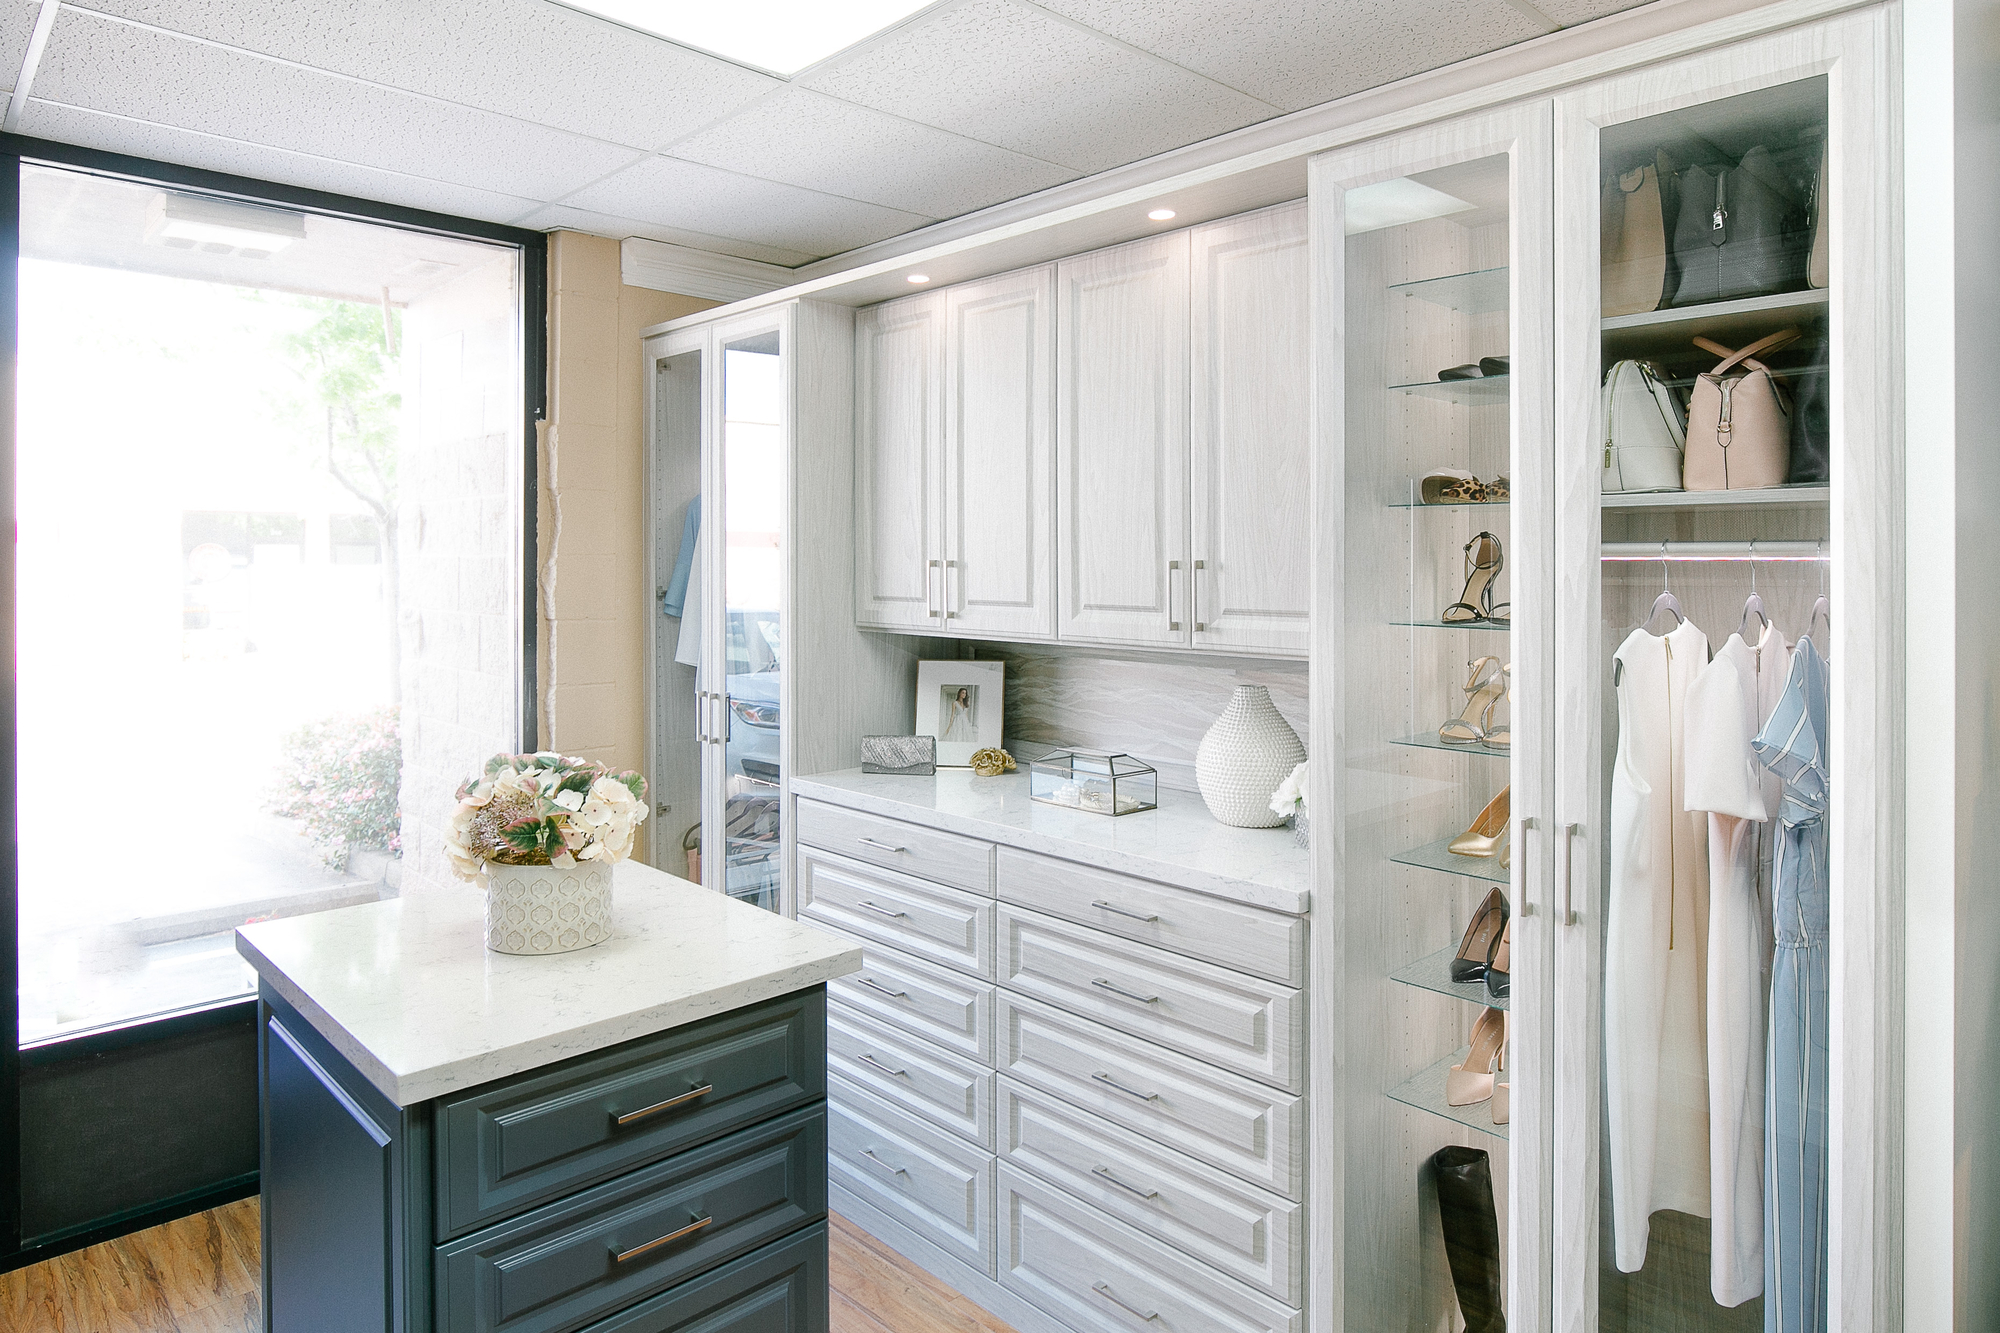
<point x="595" y="602"/>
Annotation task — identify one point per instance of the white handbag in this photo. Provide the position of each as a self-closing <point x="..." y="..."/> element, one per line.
<point x="1645" y="430"/>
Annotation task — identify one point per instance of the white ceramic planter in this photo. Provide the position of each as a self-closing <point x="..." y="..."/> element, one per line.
<point x="1246" y="756"/>
<point x="547" y="909"/>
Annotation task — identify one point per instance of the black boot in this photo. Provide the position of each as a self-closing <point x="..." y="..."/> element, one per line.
<point x="1471" y="1236"/>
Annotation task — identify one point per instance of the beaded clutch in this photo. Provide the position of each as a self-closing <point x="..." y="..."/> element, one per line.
<point x="910" y="756"/>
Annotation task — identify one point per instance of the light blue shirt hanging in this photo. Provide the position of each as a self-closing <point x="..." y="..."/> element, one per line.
<point x="673" y="599"/>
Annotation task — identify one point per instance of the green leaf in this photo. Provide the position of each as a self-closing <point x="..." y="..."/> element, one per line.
<point x="634" y="783"/>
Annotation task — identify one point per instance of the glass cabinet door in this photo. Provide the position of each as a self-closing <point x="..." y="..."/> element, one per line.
<point x="680" y="689"/>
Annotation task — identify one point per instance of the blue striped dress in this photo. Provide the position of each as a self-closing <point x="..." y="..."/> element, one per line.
<point x="1793" y="746"/>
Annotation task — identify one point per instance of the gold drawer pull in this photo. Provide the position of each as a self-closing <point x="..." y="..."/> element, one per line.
<point x="668" y="1104"/>
<point x="868" y="1059"/>
<point x="1110" y="1082"/>
<point x="687" y="1230"/>
<point x="1105" y="1171"/>
<point x="1105" y="1292"/>
<point x="1103" y="984"/>
<point x="881" y="910"/>
<point x="875" y="985"/>
<point x="1103" y="906"/>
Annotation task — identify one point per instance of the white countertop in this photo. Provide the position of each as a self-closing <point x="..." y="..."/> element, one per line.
<point x="406" y="990"/>
<point x="1179" y="843"/>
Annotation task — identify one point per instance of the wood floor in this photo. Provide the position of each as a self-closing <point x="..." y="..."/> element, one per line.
<point x="199" y="1275"/>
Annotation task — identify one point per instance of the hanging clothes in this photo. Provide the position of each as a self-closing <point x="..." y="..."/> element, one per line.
<point x="1727" y="704"/>
<point x="1656" y="927"/>
<point x="687" y="645"/>
<point x="674" y="598"/>
<point x="1793" y="746"/>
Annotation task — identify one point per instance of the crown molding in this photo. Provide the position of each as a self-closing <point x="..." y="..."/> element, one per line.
<point x="686" y="271"/>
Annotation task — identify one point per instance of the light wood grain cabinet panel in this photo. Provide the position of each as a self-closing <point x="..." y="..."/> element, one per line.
<point x="933" y="922"/>
<point x="934" y="1004"/>
<point x="898" y="473"/>
<point x="928" y="1179"/>
<point x="1249" y="430"/>
<point x="896" y="844"/>
<point x="912" y="1073"/>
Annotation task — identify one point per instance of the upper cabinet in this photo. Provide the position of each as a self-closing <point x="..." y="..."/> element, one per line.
<point x="899" y="463"/>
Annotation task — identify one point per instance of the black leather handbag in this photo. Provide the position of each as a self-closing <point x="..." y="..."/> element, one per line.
<point x="1738" y="231"/>
<point x="1811" y="417"/>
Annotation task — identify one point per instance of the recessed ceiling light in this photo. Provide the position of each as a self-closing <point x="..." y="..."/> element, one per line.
<point x="920" y="277"/>
<point x="1161" y="215"/>
<point x="782" y="36"/>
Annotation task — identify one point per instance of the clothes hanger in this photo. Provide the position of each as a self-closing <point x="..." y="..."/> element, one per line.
<point x="1753" y="605"/>
<point x="1822" y="613"/>
<point x="1666" y="601"/>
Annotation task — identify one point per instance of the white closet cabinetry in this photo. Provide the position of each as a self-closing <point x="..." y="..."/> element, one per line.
<point x="899" y="463"/>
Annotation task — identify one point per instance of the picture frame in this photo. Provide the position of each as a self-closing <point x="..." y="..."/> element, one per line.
<point x="960" y="704"/>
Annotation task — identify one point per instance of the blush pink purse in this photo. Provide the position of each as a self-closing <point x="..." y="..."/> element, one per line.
<point x="1739" y="428"/>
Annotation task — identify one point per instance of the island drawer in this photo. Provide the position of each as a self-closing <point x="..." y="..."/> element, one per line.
<point x="1226" y="1120"/>
<point x="509" y="1146"/>
<point x="1240" y="1022"/>
<point x="929" y="1002"/>
<point x="935" y="1183"/>
<point x="587" y="1256"/>
<point x="781" y="1288"/>
<point x="947" y="858"/>
<point x="944" y="925"/>
<point x="912" y="1073"/>
<point x="1248" y="939"/>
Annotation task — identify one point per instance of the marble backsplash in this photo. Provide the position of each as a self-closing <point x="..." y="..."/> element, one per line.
<point x="1152" y="707"/>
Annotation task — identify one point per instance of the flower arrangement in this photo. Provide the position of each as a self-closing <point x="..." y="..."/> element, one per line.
<point x="341" y="778"/>
<point x="1292" y="797"/>
<point x="544" y="809"/>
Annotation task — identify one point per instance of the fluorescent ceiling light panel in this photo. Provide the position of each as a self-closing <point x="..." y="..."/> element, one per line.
<point x="782" y="36"/>
<point x="1394" y="202"/>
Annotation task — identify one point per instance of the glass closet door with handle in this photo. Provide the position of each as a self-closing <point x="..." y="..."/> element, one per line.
<point x="1432" y="257"/>
<point x="680" y="689"/>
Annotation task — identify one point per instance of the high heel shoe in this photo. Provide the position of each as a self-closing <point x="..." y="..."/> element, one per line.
<point x="1484" y="559"/>
<point x="1502" y="1104"/>
<point x="1471" y="1082"/>
<point x="1499" y="962"/>
<point x="1475" y="949"/>
<point x="1481" y="692"/>
<point x="1501" y="737"/>
<point x="1488" y="831"/>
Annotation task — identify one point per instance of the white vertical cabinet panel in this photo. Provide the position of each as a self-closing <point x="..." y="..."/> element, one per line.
<point x="1249" y="432"/>
<point x="1121" y="444"/>
<point x="999" y="456"/>
<point x="898" y="481"/>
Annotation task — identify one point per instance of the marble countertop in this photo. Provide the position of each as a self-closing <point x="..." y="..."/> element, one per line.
<point x="1180" y="843"/>
<point x="407" y="991"/>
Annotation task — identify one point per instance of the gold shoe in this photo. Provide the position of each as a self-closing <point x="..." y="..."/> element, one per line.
<point x="1487" y="831"/>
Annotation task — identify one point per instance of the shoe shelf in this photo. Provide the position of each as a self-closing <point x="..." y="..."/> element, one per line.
<point x="1425" y="1091"/>
<point x="1450" y="504"/>
<point x="1430" y="740"/>
<point x="1434" y="974"/>
<point x="1728" y="322"/>
<point x="1770" y="497"/>
<point x="1434" y="856"/>
<point x="1480" y="292"/>
<point x="1486" y="389"/>
<point x="1500" y="626"/>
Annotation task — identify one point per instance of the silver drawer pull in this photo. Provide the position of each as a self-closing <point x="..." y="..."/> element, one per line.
<point x="1105" y="1171"/>
<point x="1110" y="1082"/>
<point x="868" y="1059"/>
<point x="1136" y="916"/>
<point x="1134" y="1311"/>
<point x="668" y="1104"/>
<point x="875" y="985"/>
<point x="869" y="1153"/>
<point x="879" y="846"/>
<point x="883" y="910"/>
<point x="687" y="1230"/>
<point x="1142" y="999"/>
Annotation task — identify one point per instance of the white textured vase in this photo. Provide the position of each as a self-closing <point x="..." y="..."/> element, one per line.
<point x="1246" y="756"/>
<point x="547" y="909"/>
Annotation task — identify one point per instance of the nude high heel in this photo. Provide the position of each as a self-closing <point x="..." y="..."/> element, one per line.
<point x="1488" y="831"/>
<point x="1503" y="1082"/>
<point x="1488" y="922"/>
<point x="1472" y="1082"/>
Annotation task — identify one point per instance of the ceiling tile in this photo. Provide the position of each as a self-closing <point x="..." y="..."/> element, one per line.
<point x="1013" y="75"/>
<point x="1299" y="53"/>
<point x="807" y="138"/>
<point x="701" y="198"/>
<point x="111" y="134"/>
<point x="17" y="25"/>
<point x="109" y="66"/>
<point x="525" y="58"/>
<point x="551" y="216"/>
<point x="1569" y="13"/>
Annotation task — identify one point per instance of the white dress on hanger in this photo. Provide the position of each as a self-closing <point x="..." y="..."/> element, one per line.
<point x="1655" y="945"/>
<point x="1727" y="706"/>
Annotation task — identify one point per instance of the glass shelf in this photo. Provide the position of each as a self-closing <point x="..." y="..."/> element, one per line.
<point x="1728" y="322"/>
<point x="1434" y="974"/>
<point x="1486" y="389"/>
<point x="1433" y="856"/>
<point x="1766" y="498"/>
<point x="1430" y="740"/>
<point x="1425" y="1091"/>
<point x="1477" y="293"/>
<point x="1499" y="626"/>
<point x="1449" y="504"/>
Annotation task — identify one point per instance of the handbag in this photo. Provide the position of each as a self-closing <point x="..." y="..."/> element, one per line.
<point x="1811" y="423"/>
<point x="1739" y="424"/>
<point x="1632" y="240"/>
<point x="1819" y="260"/>
<point x="907" y="756"/>
<point x="1644" y="432"/>
<point x="1735" y="232"/>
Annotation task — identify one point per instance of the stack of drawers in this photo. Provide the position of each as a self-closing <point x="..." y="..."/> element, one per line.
<point x="1083" y="1085"/>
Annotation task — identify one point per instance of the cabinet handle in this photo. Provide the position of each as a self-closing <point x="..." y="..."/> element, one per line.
<point x="869" y="1153"/>
<point x="949" y="601"/>
<point x="687" y="1230"/>
<point x="882" y="910"/>
<point x="1194" y="597"/>
<point x="878" y="846"/>
<point x="1569" y="832"/>
<point x="668" y="1104"/>
<point x="1528" y="824"/>
<point x="868" y="1059"/>
<point x="1101" y="905"/>
<point x="1110" y="1082"/>
<point x="1105" y="1171"/>
<point x="930" y="583"/>
<point x="1106" y="985"/>
<point x="1173" y="568"/>
<point x="875" y="985"/>
<point x="1132" y="1310"/>
<point x="701" y="717"/>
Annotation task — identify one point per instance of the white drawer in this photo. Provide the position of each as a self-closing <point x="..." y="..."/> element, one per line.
<point x="929" y="1002"/>
<point x="943" y="925"/>
<point x="1099" y="1274"/>
<point x="933" y="1182"/>
<point x="1224" y="1119"/>
<point x="1240" y="1022"/>
<point x="1248" y="1233"/>
<point x="1249" y="939"/>
<point x="947" y="858"/>
<point x="913" y="1074"/>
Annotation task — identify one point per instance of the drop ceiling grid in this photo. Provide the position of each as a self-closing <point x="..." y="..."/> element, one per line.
<point x="552" y="217"/>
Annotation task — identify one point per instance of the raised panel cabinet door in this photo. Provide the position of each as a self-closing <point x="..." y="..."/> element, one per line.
<point x="898" y="463"/>
<point x="999" y="459"/>
<point x="1249" y="429"/>
<point x="1121" y="444"/>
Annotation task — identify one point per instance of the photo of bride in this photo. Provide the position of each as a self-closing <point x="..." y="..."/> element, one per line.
<point x="959" y="703"/>
<point x="958" y="713"/>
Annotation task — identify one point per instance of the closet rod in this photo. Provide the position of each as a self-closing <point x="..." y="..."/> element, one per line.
<point x="1640" y="552"/>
